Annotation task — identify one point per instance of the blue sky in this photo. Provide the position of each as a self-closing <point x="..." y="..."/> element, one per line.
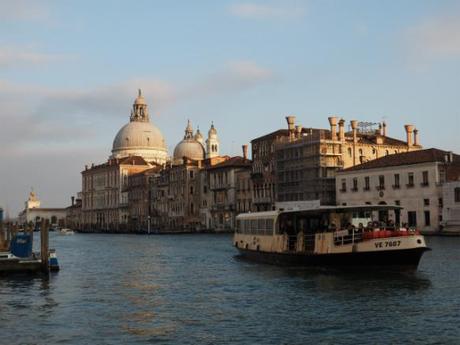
<point x="69" y="71"/>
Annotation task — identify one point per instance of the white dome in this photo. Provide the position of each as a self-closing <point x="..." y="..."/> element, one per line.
<point x="189" y="148"/>
<point x="141" y="139"/>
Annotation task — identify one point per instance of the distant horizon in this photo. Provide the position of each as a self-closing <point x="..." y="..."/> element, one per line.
<point x="69" y="76"/>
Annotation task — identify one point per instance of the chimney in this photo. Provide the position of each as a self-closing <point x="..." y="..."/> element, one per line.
<point x="298" y="130"/>
<point x="333" y="123"/>
<point x="342" y="130"/>
<point x="354" y="127"/>
<point x="291" y="126"/>
<point x="245" y="151"/>
<point x="409" y="130"/>
<point x="73" y="200"/>
<point x="416" y="137"/>
<point x="384" y="129"/>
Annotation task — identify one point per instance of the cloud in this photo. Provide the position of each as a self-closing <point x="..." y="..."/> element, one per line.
<point x="435" y="38"/>
<point x="15" y="55"/>
<point x="23" y="10"/>
<point x="264" y="11"/>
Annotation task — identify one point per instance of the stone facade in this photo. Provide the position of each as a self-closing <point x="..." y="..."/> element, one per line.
<point x="306" y="161"/>
<point x="223" y="188"/>
<point x="33" y="212"/>
<point x="105" y="193"/>
<point x="413" y="180"/>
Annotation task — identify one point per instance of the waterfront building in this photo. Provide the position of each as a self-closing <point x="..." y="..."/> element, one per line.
<point x="138" y="146"/>
<point x="263" y="176"/>
<point x="176" y="197"/>
<point x="140" y="137"/>
<point x="33" y="212"/>
<point x="244" y="187"/>
<point x="223" y="188"/>
<point x="422" y="182"/>
<point x="139" y="199"/>
<point x="306" y="161"/>
<point x="73" y="213"/>
<point x="105" y="193"/>
<point x="450" y="223"/>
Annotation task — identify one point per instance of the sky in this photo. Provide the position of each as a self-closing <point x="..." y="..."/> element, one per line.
<point x="70" y="70"/>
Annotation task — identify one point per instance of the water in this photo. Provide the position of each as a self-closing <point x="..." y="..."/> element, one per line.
<point x="190" y="289"/>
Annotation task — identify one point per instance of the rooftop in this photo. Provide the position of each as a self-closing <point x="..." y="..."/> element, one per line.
<point x="407" y="158"/>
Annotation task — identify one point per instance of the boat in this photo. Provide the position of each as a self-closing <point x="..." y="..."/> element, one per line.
<point x="65" y="231"/>
<point x="21" y="259"/>
<point x="315" y="235"/>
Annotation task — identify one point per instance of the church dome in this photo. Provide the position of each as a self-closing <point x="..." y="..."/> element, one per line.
<point x="189" y="147"/>
<point x="140" y="137"/>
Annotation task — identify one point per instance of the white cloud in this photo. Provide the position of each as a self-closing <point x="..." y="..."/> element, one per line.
<point x="23" y="10"/>
<point x="14" y="55"/>
<point x="435" y="38"/>
<point x="265" y="11"/>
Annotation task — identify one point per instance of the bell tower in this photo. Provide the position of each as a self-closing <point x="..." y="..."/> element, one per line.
<point x="212" y="143"/>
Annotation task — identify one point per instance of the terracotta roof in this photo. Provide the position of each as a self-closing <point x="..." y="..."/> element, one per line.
<point x="233" y="162"/>
<point x="406" y="158"/>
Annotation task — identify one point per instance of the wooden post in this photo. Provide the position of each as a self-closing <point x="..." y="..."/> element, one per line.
<point x="44" y="247"/>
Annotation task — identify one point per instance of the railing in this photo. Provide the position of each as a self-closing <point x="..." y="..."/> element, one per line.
<point x="343" y="237"/>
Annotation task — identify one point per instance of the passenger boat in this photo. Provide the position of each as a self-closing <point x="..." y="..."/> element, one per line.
<point x="66" y="231"/>
<point x="315" y="235"/>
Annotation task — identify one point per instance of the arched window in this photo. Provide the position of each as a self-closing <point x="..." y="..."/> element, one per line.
<point x="349" y="151"/>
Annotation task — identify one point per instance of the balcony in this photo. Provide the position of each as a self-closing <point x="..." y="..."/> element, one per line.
<point x="410" y="185"/>
<point x="380" y="188"/>
<point x="424" y="184"/>
<point x="396" y="186"/>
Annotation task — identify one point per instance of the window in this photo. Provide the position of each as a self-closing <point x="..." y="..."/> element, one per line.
<point x="344" y="186"/>
<point x="398" y="202"/>
<point x="412" y="218"/>
<point x="349" y="152"/>
<point x="355" y="184"/>
<point x="440" y="202"/>
<point x="410" y="180"/>
<point x="457" y="194"/>
<point x="427" y="218"/>
<point x="191" y="174"/>
<point x="426" y="202"/>
<point x="396" y="185"/>
<point x="367" y="183"/>
<point x="425" y="178"/>
<point x="191" y="190"/>
<point x="381" y="182"/>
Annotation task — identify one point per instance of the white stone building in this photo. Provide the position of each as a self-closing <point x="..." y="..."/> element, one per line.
<point x="414" y="180"/>
<point x="33" y="212"/>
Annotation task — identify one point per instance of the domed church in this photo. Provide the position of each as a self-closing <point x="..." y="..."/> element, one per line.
<point x="140" y="137"/>
<point x="193" y="146"/>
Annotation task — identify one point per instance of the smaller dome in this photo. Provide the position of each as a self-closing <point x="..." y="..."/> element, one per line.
<point x="189" y="148"/>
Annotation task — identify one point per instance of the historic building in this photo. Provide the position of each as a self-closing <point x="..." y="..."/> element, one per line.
<point x="140" y="199"/>
<point x="138" y="146"/>
<point x="244" y="187"/>
<point x="33" y="212"/>
<point x="73" y="213"/>
<point x="105" y="193"/>
<point x="263" y="175"/>
<point x="422" y="182"/>
<point x="306" y="160"/>
<point x="223" y="188"/>
<point x="139" y="137"/>
<point x="179" y="192"/>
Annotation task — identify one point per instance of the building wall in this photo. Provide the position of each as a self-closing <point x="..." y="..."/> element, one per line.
<point x="451" y="209"/>
<point x="419" y="198"/>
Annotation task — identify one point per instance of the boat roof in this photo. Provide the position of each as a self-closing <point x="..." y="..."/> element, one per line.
<point x="319" y="209"/>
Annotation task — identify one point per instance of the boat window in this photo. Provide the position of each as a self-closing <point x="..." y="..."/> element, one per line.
<point x="269" y="226"/>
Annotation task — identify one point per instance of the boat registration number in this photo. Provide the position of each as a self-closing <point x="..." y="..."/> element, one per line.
<point x="386" y="244"/>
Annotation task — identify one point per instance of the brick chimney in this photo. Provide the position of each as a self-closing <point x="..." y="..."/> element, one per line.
<point x="416" y="138"/>
<point x="333" y="124"/>
<point x="245" y="151"/>
<point x="291" y="126"/>
<point x="342" y="130"/>
<point x="409" y="130"/>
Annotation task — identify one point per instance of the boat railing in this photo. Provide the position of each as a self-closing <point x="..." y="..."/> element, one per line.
<point x="343" y="237"/>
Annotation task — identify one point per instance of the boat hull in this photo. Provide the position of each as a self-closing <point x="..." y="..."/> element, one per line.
<point x="404" y="258"/>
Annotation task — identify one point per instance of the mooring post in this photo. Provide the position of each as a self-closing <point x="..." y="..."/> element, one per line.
<point x="44" y="246"/>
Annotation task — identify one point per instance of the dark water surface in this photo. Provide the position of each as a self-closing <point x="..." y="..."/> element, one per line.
<point x="191" y="289"/>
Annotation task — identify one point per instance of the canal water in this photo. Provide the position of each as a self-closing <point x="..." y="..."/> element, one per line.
<point x="192" y="289"/>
